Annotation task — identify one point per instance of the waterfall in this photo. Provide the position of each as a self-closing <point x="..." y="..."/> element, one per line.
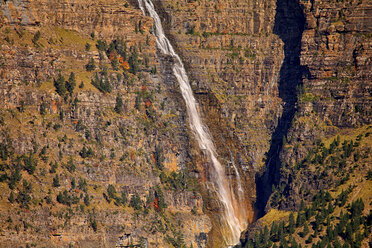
<point x="238" y="180"/>
<point x="234" y="215"/>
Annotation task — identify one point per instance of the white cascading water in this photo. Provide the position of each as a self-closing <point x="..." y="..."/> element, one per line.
<point x="234" y="216"/>
<point x="238" y="180"/>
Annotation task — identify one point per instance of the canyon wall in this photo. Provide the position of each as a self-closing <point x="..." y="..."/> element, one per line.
<point x="119" y="127"/>
<point x="272" y="79"/>
<point x="335" y="96"/>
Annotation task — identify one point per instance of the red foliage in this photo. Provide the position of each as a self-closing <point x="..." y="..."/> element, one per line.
<point x="123" y="63"/>
<point x="147" y="103"/>
<point x="156" y="204"/>
<point x="112" y="55"/>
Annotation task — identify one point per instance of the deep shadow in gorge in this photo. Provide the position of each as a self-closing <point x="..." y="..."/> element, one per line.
<point x="289" y="26"/>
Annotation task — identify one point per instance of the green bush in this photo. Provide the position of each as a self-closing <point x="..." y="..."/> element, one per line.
<point x="59" y="84"/>
<point x="56" y="183"/>
<point x="87" y="47"/>
<point x="71" y="83"/>
<point x="136" y="202"/>
<point x="91" y="66"/>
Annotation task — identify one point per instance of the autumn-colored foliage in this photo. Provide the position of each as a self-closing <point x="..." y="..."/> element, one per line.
<point x="123" y="63"/>
<point x="156" y="204"/>
<point x="147" y="103"/>
<point x="153" y="158"/>
<point x="112" y="55"/>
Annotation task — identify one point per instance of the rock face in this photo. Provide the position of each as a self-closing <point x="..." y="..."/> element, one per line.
<point x="272" y="78"/>
<point x="80" y="142"/>
<point x="234" y="59"/>
<point x="336" y="49"/>
<point x="336" y="61"/>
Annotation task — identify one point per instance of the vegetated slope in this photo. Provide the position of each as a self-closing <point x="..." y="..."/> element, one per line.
<point x="93" y="134"/>
<point x="93" y="138"/>
<point x="334" y="185"/>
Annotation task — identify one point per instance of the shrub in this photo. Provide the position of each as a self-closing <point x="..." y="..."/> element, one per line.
<point x="135" y="202"/>
<point x="83" y="184"/>
<point x="56" y="183"/>
<point x="29" y="164"/>
<point x="94" y="225"/>
<point x="59" y="84"/>
<point x="119" y="104"/>
<point x="111" y="191"/>
<point x="87" y="200"/>
<point x="43" y="107"/>
<point x="87" y="47"/>
<point x="53" y="167"/>
<point x="66" y="198"/>
<point x="71" y="83"/>
<point x="36" y="37"/>
<point x="91" y="65"/>
<point x="101" y="45"/>
<point x="84" y="153"/>
<point x="24" y="197"/>
<point x="102" y="83"/>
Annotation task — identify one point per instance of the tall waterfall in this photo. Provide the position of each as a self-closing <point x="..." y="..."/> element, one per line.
<point x="234" y="215"/>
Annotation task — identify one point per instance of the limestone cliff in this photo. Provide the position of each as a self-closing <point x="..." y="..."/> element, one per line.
<point x="94" y="142"/>
<point x="334" y="96"/>
<point x="95" y="148"/>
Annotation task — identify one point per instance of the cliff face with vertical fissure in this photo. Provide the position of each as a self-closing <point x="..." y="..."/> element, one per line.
<point x="335" y="56"/>
<point x="272" y="78"/>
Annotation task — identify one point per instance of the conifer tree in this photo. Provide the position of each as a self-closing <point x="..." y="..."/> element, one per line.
<point x="119" y="104"/>
<point x="291" y="225"/>
<point x="71" y="83"/>
<point x="59" y="83"/>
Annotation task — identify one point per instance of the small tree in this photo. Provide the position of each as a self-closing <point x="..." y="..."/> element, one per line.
<point x="71" y="83"/>
<point x="135" y="202"/>
<point x="94" y="225"/>
<point x="29" y="164"/>
<point x="291" y="225"/>
<point x="73" y="183"/>
<point x="91" y="65"/>
<point x="36" y="37"/>
<point x="111" y="191"/>
<point x="43" y="107"/>
<point x="11" y="197"/>
<point x="133" y="61"/>
<point x="122" y="200"/>
<point x="87" y="47"/>
<point x="59" y="83"/>
<point x="305" y="231"/>
<point x="53" y="167"/>
<point x="24" y="197"/>
<point x="119" y="104"/>
<point x="160" y="196"/>
<point x="56" y="183"/>
<point x="87" y="200"/>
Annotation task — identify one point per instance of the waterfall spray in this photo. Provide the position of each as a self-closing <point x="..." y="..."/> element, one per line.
<point x="235" y="216"/>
